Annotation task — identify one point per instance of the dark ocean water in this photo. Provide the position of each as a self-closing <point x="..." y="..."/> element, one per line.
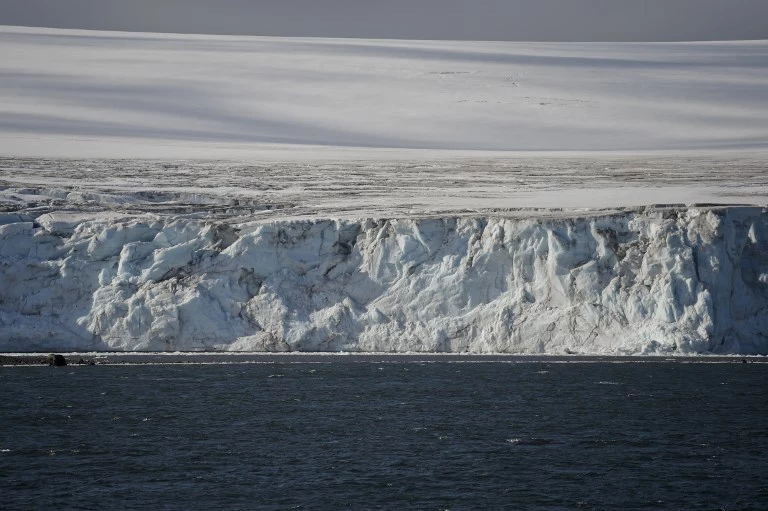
<point x="391" y="435"/>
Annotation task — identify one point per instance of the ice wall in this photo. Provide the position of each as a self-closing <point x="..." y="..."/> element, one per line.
<point x="645" y="281"/>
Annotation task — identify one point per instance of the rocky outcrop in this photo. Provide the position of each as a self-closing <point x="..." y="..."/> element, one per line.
<point x="57" y="360"/>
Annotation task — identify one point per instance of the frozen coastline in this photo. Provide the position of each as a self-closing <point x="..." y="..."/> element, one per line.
<point x="682" y="280"/>
<point x="182" y="192"/>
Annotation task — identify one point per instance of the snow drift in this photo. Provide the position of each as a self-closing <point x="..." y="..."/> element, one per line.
<point x="678" y="280"/>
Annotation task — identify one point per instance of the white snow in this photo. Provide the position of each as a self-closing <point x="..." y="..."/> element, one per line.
<point x="74" y="93"/>
<point x="669" y="280"/>
<point x="381" y="195"/>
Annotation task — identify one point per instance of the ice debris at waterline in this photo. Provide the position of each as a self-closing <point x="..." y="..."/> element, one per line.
<point x="680" y="280"/>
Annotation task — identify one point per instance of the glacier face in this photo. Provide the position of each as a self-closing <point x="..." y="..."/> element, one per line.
<point x="654" y="280"/>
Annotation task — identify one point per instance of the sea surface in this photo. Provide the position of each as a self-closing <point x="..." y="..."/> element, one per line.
<point x="337" y="433"/>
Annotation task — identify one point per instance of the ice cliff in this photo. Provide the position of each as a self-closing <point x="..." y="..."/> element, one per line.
<point x="680" y="280"/>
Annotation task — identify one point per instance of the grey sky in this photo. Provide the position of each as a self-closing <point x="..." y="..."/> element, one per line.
<point x="534" y="20"/>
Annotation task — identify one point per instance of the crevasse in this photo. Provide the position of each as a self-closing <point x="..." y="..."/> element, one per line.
<point x="685" y="280"/>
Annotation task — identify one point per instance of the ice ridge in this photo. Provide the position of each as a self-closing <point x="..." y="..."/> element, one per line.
<point x="684" y="280"/>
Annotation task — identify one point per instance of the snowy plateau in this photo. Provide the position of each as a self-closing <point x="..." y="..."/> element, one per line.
<point x="206" y="193"/>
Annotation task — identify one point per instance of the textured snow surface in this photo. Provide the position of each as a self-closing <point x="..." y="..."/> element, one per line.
<point x="73" y="93"/>
<point x="654" y="280"/>
<point x="248" y="191"/>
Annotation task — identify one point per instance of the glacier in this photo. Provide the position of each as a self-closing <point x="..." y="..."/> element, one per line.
<point x="646" y="280"/>
<point x="88" y="94"/>
<point x="225" y="193"/>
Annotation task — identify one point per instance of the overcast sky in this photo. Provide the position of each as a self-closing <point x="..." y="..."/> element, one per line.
<point x="533" y="20"/>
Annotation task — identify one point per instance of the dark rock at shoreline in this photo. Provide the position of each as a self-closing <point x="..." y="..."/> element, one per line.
<point x="26" y="360"/>
<point x="138" y="358"/>
<point x="41" y="360"/>
<point x="57" y="360"/>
